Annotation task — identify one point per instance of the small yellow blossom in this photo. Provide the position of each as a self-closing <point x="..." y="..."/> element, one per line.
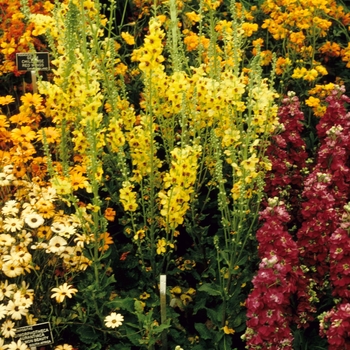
<point x="161" y="246"/>
<point x="193" y="16"/>
<point x="128" y="38"/>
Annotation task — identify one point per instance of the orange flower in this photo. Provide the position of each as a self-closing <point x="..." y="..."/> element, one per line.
<point x="109" y="214"/>
<point x="52" y="135"/>
<point x="107" y="240"/>
<point x="19" y="170"/>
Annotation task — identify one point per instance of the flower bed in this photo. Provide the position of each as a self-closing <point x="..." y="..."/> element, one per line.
<point x="178" y="178"/>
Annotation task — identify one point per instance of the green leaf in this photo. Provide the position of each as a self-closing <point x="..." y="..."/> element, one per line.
<point x="161" y="328"/>
<point x="87" y="334"/>
<point x="243" y="260"/>
<point x="125" y="304"/>
<point x="201" y="299"/>
<point x="203" y="331"/>
<point x="209" y="288"/>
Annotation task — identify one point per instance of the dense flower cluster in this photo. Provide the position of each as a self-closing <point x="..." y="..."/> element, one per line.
<point x="334" y="324"/>
<point x="269" y="311"/>
<point x="326" y="187"/>
<point x="322" y="237"/>
<point x="288" y="155"/>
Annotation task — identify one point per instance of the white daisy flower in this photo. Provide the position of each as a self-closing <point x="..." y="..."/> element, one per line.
<point x="114" y="320"/>
<point x="13" y="224"/>
<point x="10" y="208"/>
<point x="8" y="329"/>
<point x="34" y="220"/>
<point x="56" y="245"/>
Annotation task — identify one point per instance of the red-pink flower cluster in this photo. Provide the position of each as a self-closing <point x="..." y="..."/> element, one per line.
<point x="339" y="245"/>
<point x="269" y="312"/>
<point x="287" y="153"/>
<point x="326" y="188"/>
<point x="335" y="324"/>
<point x="319" y="256"/>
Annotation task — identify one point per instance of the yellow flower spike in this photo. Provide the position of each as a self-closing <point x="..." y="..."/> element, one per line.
<point x="128" y="197"/>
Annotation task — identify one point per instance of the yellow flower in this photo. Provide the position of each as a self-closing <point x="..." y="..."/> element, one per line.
<point x="193" y="16"/>
<point x="120" y="69"/>
<point x="29" y="99"/>
<point x="228" y="330"/>
<point x="299" y="73"/>
<point x="249" y="28"/>
<point x="311" y="75"/>
<point x="330" y="49"/>
<point x="23" y="134"/>
<point x="250" y="163"/>
<point x="5" y="100"/>
<point x="140" y="234"/>
<point x="144" y="296"/>
<point x="176" y="290"/>
<point x="106" y="240"/>
<point x="129" y="39"/>
<point x="282" y="64"/>
<point x="313" y="101"/>
<point x="61" y="185"/>
<point x="321" y="69"/>
<point x="161" y="246"/>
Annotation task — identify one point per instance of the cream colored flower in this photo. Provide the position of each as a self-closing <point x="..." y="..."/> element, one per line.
<point x="13" y="224"/>
<point x="8" y="329"/>
<point x="16" y="310"/>
<point x="34" y="220"/>
<point x="12" y="269"/>
<point x="62" y="292"/>
<point x="64" y="347"/>
<point x="114" y="320"/>
<point x="19" y="345"/>
<point x="6" y="240"/>
<point x="10" y="208"/>
<point x="3" y="311"/>
<point x="6" y="289"/>
<point x="56" y="245"/>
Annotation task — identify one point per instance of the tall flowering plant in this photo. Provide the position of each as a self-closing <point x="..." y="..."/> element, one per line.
<point x="270" y="314"/>
<point x="319" y="222"/>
